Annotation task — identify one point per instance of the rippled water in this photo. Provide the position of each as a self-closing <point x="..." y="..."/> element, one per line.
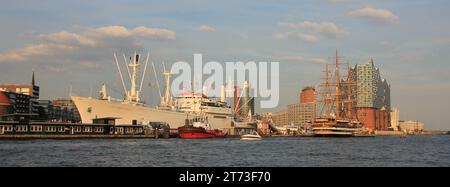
<point x="379" y="151"/>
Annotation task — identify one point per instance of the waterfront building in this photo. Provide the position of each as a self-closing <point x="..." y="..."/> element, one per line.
<point x="299" y="114"/>
<point x="308" y="95"/>
<point x="280" y="118"/>
<point x="294" y="114"/>
<point x="19" y="103"/>
<point x="373" y="102"/>
<point x="5" y="104"/>
<point x="372" y="90"/>
<point x="373" y="118"/>
<point x="61" y="110"/>
<point x="395" y="118"/>
<point x="31" y="90"/>
<point x="411" y="127"/>
<point x="308" y="105"/>
<point x="65" y="110"/>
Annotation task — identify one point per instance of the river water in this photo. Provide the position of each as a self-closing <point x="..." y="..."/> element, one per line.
<point x="275" y="151"/>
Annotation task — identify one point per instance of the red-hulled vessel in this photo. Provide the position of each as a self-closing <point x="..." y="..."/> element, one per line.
<point x="198" y="128"/>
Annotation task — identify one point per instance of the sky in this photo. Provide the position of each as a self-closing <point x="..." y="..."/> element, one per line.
<point x="70" y="43"/>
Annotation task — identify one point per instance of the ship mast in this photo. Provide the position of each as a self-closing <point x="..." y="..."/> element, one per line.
<point x="167" y="95"/>
<point x="332" y="90"/>
<point x="132" y="95"/>
<point x="350" y="93"/>
<point x="328" y="99"/>
<point x="337" y="90"/>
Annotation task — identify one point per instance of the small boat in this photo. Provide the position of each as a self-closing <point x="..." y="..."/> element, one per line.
<point x="253" y="136"/>
<point x="199" y="128"/>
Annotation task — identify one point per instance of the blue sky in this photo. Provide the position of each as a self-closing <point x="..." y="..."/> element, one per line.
<point x="65" y="42"/>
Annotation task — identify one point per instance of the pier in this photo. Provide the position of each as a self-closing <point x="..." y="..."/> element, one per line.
<point x="21" y="128"/>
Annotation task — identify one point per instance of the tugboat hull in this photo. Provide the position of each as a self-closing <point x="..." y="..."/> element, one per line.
<point x="190" y="132"/>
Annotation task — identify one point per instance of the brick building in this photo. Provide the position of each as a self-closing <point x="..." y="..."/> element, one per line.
<point x="298" y="114"/>
<point x="373" y="102"/>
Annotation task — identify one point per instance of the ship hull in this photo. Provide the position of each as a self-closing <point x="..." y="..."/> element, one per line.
<point x="335" y="132"/>
<point x="127" y="113"/>
<point x="195" y="135"/>
<point x="190" y="132"/>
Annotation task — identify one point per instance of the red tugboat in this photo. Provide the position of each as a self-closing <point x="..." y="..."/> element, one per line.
<point x="198" y="128"/>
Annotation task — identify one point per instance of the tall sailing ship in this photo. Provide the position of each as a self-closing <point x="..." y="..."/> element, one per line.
<point x="337" y="117"/>
<point x="132" y="109"/>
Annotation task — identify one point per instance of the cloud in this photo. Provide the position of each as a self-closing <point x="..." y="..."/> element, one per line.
<point x="154" y="33"/>
<point x="328" y="29"/>
<point x="296" y="36"/>
<point x="318" y="61"/>
<point x="375" y="15"/>
<point x="123" y="32"/>
<point x="30" y="51"/>
<point x="66" y="46"/>
<point x="55" y="69"/>
<point x="88" y="65"/>
<point x="206" y="28"/>
<point x="293" y="58"/>
<point x="109" y="31"/>
<point x="298" y="58"/>
<point x="67" y="37"/>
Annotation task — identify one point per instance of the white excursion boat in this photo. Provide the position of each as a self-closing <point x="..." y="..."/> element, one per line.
<point x="253" y="136"/>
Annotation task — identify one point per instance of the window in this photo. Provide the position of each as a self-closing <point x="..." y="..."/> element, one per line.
<point x="87" y="129"/>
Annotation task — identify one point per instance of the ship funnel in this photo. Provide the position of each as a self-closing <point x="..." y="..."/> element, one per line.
<point x="103" y="92"/>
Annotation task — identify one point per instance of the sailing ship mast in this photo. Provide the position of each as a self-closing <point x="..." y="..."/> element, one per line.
<point x="337" y="94"/>
<point x="337" y="90"/>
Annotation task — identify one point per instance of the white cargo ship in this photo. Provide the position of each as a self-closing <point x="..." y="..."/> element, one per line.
<point x="174" y="112"/>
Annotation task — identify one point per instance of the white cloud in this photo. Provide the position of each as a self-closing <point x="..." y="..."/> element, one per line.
<point x="206" y="28"/>
<point x="30" y="51"/>
<point x="123" y="32"/>
<point x="375" y="15"/>
<point x="298" y="58"/>
<point x="293" y="58"/>
<point x="328" y="29"/>
<point x="296" y="36"/>
<point x="55" y="69"/>
<point x="318" y="60"/>
<point x="67" y="46"/>
<point x="88" y="65"/>
<point x="110" y="31"/>
<point x="154" y="33"/>
<point x="67" y="37"/>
